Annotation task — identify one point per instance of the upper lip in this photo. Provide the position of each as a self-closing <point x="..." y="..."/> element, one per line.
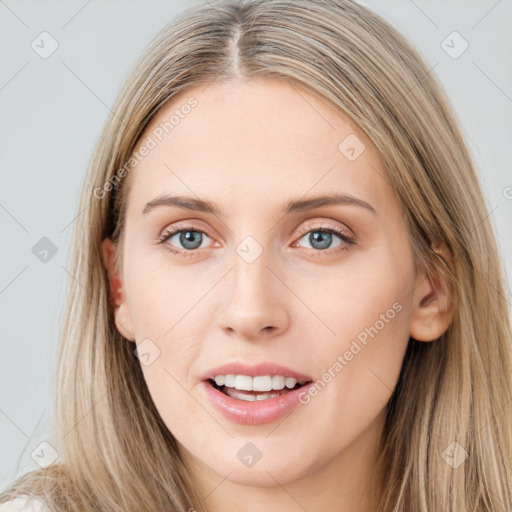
<point x="265" y="368"/>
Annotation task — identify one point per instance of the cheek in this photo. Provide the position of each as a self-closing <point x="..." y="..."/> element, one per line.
<point x="365" y="311"/>
<point x="168" y="307"/>
<point x="160" y="294"/>
<point x="349" y="298"/>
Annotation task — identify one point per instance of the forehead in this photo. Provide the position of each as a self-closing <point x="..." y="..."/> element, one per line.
<point x="254" y="140"/>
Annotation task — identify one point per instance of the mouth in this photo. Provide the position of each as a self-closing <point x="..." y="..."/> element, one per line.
<point x="238" y="388"/>
<point x="255" y="395"/>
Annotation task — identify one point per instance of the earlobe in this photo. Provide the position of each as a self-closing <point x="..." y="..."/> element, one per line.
<point x="433" y="306"/>
<point x="117" y="298"/>
<point x="123" y="322"/>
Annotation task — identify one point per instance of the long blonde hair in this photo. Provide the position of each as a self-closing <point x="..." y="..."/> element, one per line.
<point x="453" y="396"/>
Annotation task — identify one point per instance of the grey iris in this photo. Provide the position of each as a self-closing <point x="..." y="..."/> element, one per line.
<point x="187" y="237"/>
<point x="324" y="238"/>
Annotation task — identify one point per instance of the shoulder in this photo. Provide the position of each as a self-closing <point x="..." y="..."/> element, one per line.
<point x="23" y="504"/>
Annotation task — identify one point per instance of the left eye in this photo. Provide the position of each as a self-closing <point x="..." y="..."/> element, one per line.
<point x="321" y="238"/>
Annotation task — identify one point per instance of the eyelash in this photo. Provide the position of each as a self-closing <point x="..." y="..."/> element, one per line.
<point x="169" y="233"/>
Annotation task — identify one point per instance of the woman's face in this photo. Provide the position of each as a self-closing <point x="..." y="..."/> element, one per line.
<point x="266" y="272"/>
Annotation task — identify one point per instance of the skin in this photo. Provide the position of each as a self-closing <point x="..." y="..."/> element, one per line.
<point x="251" y="147"/>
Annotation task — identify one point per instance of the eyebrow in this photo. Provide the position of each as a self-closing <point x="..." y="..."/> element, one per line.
<point x="198" y="205"/>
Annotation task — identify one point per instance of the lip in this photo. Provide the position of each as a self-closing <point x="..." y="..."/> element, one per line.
<point x="265" y="368"/>
<point x="253" y="413"/>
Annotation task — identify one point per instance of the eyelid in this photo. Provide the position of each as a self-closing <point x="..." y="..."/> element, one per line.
<point x="194" y="224"/>
<point x="324" y="224"/>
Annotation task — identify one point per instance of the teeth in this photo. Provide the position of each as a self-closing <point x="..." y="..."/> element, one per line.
<point x="258" y="383"/>
<point x="243" y="382"/>
<point x="290" y="382"/>
<point x="220" y="380"/>
<point x="278" y="382"/>
<point x="230" y="381"/>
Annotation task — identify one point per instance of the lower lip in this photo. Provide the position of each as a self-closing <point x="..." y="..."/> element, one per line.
<point x="254" y="413"/>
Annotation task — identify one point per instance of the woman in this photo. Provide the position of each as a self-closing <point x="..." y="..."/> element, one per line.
<point x="293" y="298"/>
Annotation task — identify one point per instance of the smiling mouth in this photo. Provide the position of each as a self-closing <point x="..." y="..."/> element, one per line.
<point x="251" y="396"/>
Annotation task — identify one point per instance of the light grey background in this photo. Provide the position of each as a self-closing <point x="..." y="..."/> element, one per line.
<point x="51" y="114"/>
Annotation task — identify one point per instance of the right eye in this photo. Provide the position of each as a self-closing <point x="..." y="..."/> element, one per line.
<point x="189" y="237"/>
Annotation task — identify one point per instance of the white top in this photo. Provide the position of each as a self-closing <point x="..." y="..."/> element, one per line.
<point x="23" y="505"/>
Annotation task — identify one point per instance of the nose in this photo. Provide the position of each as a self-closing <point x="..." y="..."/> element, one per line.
<point x="254" y="301"/>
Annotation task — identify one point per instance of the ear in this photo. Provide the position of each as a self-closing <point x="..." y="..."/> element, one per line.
<point x="117" y="297"/>
<point x="433" y="302"/>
